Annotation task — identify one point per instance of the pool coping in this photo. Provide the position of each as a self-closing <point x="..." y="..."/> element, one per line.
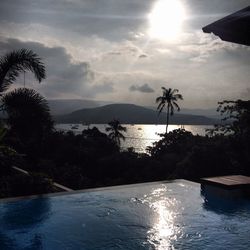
<point x="48" y="195"/>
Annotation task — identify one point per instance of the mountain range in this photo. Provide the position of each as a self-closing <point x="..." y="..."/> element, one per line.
<point x="92" y="111"/>
<point x="65" y="106"/>
<point x="130" y="114"/>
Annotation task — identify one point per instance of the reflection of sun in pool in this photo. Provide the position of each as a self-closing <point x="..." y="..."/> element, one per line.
<point x="164" y="229"/>
<point x="165" y="19"/>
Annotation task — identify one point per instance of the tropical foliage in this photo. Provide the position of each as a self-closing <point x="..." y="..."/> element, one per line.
<point x="17" y="61"/>
<point x="7" y="154"/>
<point x="28" y="113"/>
<point x="92" y="158"/>
<point x="5" y="150"/>
<point x="28" y="120"/>
<point x="115" y="130"/>
<point x="236" y="118"/>
<point x="175" y="141"/>
<point x="168" y="100"/>
<point x="2" y="133"/>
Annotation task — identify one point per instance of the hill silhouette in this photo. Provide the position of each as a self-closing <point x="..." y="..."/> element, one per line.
<point x="129" y="114"/>
<point x="65" y="106"/>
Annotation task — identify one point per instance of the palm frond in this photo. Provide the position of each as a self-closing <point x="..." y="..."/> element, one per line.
<point x="121" y="136"/>
<point x="160" y="110"/>
<point x="175" y="91"/>
<point x="171" y="109"/>
<point x="159" y="105"/>
<point x="25" y="100"/>
<point x="177" y="106"/>
<point x="108" y="129"/>
<point x="121" y="128"/>
<point x="115" y="128"/>
<point x="159" y="99"/>
<point x="27" y="111"/>
<point x="3" y="131"/>
<point x="178" y="96"/>
<point x="170" y="97"/>
<point x="18" y="61"/>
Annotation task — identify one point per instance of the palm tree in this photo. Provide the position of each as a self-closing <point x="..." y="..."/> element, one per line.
<point x="115" y="128"/>
<point x="28" y="113"/>
<point x="18" y="61"/>
<point x="169" y="97"/>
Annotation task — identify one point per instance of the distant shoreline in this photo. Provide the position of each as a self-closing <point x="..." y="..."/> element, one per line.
<point x="97" y="123"/>
<point x="138" y="136"/>
<point x="130" y="114"/>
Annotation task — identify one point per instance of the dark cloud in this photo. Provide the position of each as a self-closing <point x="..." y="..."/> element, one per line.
<point x="64" y="77"/>
<point x="112" y="37"/>
<point x="109" y="19"/>
<point x="145" y="88"/>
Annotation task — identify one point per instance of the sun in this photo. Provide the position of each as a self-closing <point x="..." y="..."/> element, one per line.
<point x="165" y="20"/>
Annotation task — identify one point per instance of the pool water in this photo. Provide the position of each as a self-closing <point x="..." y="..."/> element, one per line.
<point x="166" y="215"/>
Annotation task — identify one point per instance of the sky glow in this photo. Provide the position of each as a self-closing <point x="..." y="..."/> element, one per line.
<point x="126" y="50"/>
<point x="165" y="20"/>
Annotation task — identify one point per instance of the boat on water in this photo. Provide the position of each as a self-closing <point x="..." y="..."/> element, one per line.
<point x="139" y="129"/>
<point x="74" y="126"/>
<point x="85" y="123"/>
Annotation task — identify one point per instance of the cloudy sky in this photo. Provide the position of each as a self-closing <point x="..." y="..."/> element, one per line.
<point x="125" y="50"/>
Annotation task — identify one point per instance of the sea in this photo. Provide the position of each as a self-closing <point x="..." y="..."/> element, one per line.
<point x="138" y="136"/>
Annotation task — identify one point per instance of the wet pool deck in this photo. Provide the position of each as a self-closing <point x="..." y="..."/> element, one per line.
<point x="229" y="187"/>
<point x="228" y="182"/>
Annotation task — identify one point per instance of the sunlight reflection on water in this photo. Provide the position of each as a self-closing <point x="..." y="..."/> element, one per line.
<point x="164" y="229"/>
<point x="169" y="215"/>
<point x="138" y="136"/>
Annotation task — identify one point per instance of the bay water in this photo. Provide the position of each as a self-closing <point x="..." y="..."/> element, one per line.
<point x="138" y="136"/>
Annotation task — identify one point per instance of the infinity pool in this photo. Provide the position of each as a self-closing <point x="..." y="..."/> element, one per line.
<point x="167" y="215"/>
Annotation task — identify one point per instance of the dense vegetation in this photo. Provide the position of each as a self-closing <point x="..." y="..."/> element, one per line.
<point x="93" y="159"/>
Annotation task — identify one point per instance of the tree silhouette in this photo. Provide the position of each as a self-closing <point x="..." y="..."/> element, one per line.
<point x="18" y="61"/>
<point x="169" y="98"/>
<point x="236" y="116"/>
<point x="115" y="128"/>
<point x="28" y="113"/>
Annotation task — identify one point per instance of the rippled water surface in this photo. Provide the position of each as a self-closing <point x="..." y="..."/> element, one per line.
<point x="146" y="216"/>
<point x="137" y="136"/>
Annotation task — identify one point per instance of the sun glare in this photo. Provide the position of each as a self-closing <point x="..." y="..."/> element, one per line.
<point x="165" y="20"/>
